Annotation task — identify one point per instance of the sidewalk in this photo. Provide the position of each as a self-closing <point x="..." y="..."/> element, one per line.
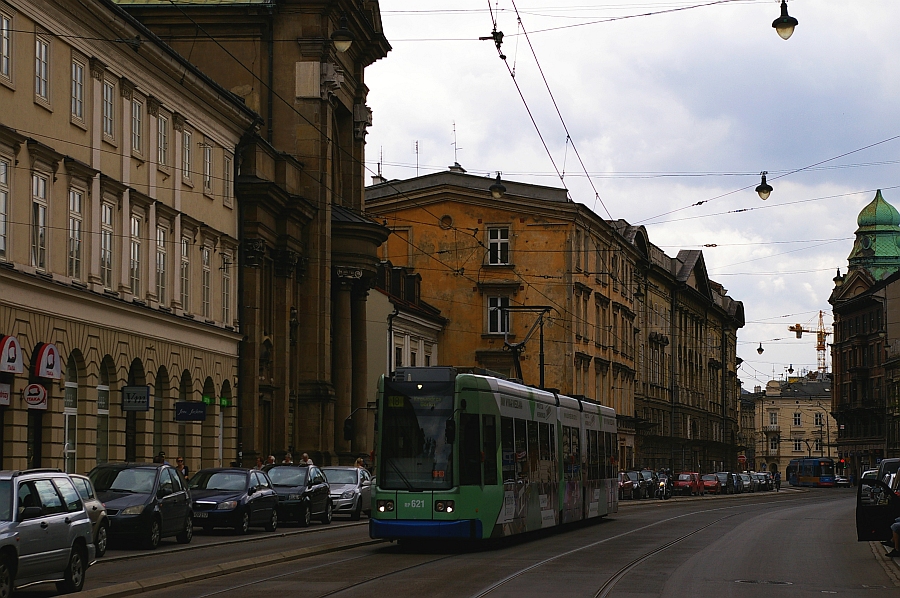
<point x="890" y="565"/>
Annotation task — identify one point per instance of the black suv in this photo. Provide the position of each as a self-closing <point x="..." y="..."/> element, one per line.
<point x="144" y="502"/>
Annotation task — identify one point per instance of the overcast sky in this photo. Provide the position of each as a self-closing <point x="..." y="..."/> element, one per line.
<point x="666" y="111"/>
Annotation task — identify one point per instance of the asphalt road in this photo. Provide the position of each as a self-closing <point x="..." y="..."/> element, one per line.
<point x="793" y="543"/>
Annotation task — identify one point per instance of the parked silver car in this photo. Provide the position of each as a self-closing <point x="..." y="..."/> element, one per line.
<point x="351" y="490"/>
<point x="96" y="510"/>
<point x="45" y="532"/>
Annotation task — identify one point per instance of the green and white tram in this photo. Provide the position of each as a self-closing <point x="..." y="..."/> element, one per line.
<point x="462" y="455"/>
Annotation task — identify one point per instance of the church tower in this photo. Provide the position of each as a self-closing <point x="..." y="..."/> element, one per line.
<point x="877" y="245"/>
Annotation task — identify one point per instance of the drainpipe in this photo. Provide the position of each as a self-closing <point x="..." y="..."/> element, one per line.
<point x="390" y="352"/>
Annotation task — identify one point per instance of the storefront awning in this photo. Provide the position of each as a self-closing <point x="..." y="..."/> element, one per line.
<point x="10" y="355"/>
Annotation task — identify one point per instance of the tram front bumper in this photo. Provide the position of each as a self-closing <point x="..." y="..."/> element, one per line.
<point x="398" y="529"/>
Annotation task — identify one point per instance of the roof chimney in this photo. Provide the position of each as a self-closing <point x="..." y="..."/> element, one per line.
<point x="457" y="168"/>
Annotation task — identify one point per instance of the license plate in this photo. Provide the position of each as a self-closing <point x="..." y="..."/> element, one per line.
<point x="201" y="515"/>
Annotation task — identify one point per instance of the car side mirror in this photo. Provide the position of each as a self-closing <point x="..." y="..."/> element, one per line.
<point x="31" y="512"/>
<point x="161" y="493"/>
<point x="251" y="490"/>
<point x="366" y="483"/>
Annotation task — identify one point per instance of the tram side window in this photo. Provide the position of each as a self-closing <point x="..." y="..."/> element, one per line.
<point x="593" y="456"/>
<point x="520" y="426"/>
<point x="469" y="450"/>
<point x="544" y="440"/>
<point x="534" y="451"/>
<point x="611" y="454"/>
<point x="507" y="449"/>
<point x="489" y="434"/>
<point x="602" y="456"/>
<point x="571" y="453"/>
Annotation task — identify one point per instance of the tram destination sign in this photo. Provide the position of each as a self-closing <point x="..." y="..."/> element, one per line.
<point x="136" y="398"/>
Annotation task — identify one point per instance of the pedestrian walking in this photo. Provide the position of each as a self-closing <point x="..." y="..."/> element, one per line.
<point x="778" y="481"/>
<point x="259" y="463"/>
<point x="181" y="467"/>
<point x="288" y="459"/>
<point x="360" y="464"/>
<point x="305" y="460"/>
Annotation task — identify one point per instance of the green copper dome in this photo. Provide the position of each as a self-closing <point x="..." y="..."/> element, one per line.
<point x="877" y="245"/>
<point x="878" y="213"/>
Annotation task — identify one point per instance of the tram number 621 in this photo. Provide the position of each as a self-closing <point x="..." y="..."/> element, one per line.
<point x="415" y="504"/>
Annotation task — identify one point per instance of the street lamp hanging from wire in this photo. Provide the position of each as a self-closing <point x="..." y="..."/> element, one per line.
<point x="784" y="25"/>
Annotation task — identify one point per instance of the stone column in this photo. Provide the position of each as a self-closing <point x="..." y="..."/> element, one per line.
<point x="342" y="364"/>
<point x="360" y="391"/>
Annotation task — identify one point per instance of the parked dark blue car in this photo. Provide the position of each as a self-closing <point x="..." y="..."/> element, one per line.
<point x="233" y="497"/>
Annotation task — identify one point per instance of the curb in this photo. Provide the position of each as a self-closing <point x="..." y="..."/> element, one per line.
<point x="175" y="579"/>
<point x="889" y="564"/>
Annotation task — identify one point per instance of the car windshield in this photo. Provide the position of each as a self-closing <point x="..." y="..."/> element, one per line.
<point x="288" y="476"/>
<point x="684" y="477"/>
<point x="138" y="480"/>
<point x="662" y="477"/>
<point x="723" y="477"/>
<point x="340" y="476"/>
<point x="745" y="477"/>
<point x="710" y="478"/>
<point x="415" y="453"/>
<point x="633" y="476"/>
<point x="219" y="480"/>
<point x="5" y="500"/>
<point x="647" y="475"/>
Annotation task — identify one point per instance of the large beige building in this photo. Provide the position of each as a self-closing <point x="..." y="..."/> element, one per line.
<point x="118" y="239"/>
<point x="793" y="420"/>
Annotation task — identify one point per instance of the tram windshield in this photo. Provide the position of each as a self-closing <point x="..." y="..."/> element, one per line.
<point x="414" y="450"/>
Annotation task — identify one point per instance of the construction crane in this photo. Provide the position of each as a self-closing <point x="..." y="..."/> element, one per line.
<point x="821" y="335"/>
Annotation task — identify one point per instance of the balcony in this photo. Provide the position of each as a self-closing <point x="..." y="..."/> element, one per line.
<point x="774" y="428"/>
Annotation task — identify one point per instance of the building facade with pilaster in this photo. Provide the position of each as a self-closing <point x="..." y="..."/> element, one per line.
<point x="308" y="251"/>
<point x="118" y="239"/>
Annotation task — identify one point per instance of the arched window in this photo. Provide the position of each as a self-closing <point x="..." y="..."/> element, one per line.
<point x="70" y="415"/>
<point x="160" y="392"/>
<point x="107" y="372"/>
<point x="185" y="393"/>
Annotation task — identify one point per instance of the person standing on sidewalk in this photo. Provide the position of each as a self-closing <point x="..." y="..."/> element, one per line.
<point x="778" y="481"/>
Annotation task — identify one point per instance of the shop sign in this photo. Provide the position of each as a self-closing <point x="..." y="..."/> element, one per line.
<point x="190" y="411"/>
<point x="46" y="361"/>
<point x="136" y="398"/>
<point x="4" y="395"/>
<point x="10" y="355"/>
<point x="35" y="396"/>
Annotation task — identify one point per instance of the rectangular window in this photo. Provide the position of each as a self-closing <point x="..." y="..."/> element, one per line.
<point x="489" y="448"/>
<point x="38" y="221"/>
<point x="398" y="357"/>
<point x="207" y="168"/>
<point x="137" y="122"/>
<point x="773" y="418"/>
<point x="135" y="266"/>
<point x="186" y="274"/>
<point x="227" y="191"/>
<point x="4" y="205"/>
<point x="498" y="245"/>
<point x="76" y="199"/>
<point x="109" y="109"/>
<point x="796" y="419"/>
<point x="162" y="140"/>
<point x="773" y="443"/>
<point x="161" y="286"/>
<point x="106" y="245"/>
<point x="798" y="444"/>
<point x="42" y="68"/>
<point x="820" y="419"/>
<point x="498" y="320"/>
<point x="78" y="90"/>
<point x="5" y="46"/>
<point x="204" y="281"/>
<point x="226" y="288"/>
<point x="186" y="154"/>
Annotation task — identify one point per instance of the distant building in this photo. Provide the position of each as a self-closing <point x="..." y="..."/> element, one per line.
<point x="792" y="420"/>
<point x="866" y="307"/>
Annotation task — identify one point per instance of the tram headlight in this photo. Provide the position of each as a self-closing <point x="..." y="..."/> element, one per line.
<point x="444" y="506"/>
<point x="384" y="505"/>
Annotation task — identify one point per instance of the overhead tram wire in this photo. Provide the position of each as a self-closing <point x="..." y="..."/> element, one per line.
<point x="559" y="113"/>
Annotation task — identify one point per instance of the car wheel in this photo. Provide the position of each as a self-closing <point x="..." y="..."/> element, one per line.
<point x="243" y="525"/>
<point x="357" y="512"/>
<point x="7" y="577"/>
<point x="273" y="522"/>
<point x="185" y="536"/>
<point x="306" y="517"/>
<point x="101" y="540"/>
<point x="73" y="578"/>
<point x="152" y="539"/>
<point x="329" y="512"/>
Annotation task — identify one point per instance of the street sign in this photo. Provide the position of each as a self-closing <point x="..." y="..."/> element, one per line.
<point x="742" y="458"/>
<point x="136" y="398"/>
